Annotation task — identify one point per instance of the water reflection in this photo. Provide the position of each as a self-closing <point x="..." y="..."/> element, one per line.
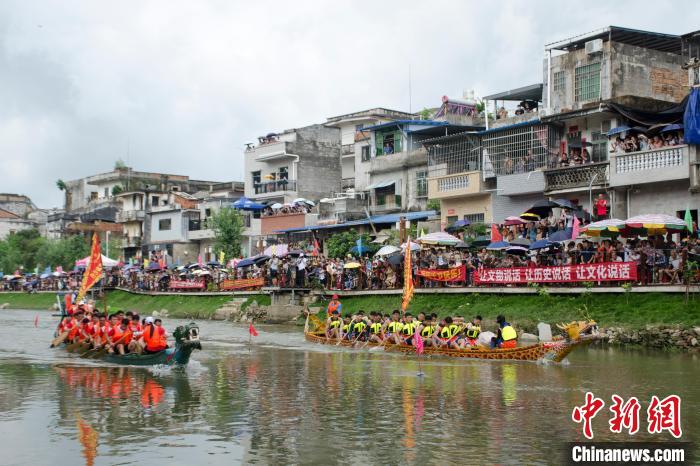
<point x="304" y="405"/>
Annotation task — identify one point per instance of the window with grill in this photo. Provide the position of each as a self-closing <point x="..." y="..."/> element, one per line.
<point x="599" y="150"/>
<point x="164" y="224"/>
<point x="475" y="218"/>
<point x="422" y="184"/>
<point x="587" y="83"/>
<point x="559" y="81"/>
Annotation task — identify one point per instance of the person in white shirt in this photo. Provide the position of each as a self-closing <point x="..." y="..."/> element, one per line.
<point x="301" y="271"/>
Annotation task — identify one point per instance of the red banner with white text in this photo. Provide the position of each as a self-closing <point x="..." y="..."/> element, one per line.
<point x="603" y="272"/>
<point x="454" y="274"/>
<point x="186" y="285"/>
<point x="242" y="283"/>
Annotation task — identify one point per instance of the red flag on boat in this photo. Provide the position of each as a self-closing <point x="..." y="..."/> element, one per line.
<point x="575" y="231"/>
<point x="495" y="234"/>
<point x="252" y="331"/>
<point x="419" y="342"/>
<point x="93" y="274"/>
<point x="36" y="321"/>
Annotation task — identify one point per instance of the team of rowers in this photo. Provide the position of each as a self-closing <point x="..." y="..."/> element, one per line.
<point x="119" y="332"/>
<point x="448" y="332"/>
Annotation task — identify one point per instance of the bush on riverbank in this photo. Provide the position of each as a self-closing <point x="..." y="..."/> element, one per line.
<point x="635" y="310"/>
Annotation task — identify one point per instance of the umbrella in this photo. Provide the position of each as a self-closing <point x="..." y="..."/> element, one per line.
<point x="656" y="224"/>
<point x="261" y="259"/>
<point x="414" y="246"/>
<point x="480" y="241"/>
<point x="673" y="127"/>
<point x="248" y="262"/>
<point x="519" y="250"/>
<point x="561" y="235"/>
<point x="301" y="200"/>
<point x="153" y="266"/>
<point x="461" y="245"/>
<point x="276" y="206"/>
<point x="295" y="252"/>
<point x="106" y="262"/>
<point x="440" y="238"/>
<point x="520" y="242"/>
<point x="352" y="265"/>
<point x="539" y="209"/>
<point x="387" y="250"/>
<point x="618" y="130"/>
<point x="395" y="259"/>
<point x="246" y="204"/>
<point x="458" y="225"/>
<point x="565" y="203"/>
<point x="510" y="221"/>
<point x="278" y="250"/>
<point x="214" y="263"/>
<point x="582" y="215"/>
<point x="44" y="275"/>
<point x="498" y="245"/>
<point x="609" y="228"/>
<point x="541" y="244"/>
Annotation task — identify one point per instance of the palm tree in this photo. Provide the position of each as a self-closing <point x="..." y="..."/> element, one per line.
<point x="60" y="184"/>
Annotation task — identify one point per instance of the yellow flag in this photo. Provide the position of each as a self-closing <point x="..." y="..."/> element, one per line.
<point x="222" y="257"/>
<point x="146" y="262"/>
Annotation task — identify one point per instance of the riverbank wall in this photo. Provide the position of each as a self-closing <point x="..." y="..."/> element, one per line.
<point x="653" y="319"/>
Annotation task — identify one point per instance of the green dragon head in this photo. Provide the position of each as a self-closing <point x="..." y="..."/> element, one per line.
<point x="187" y="334"/>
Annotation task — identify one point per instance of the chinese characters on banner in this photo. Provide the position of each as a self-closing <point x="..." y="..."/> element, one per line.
<point x="603" y="272"/>
<point x="662" y="415"/>
<point x="453" y="274"/>
<point x="242" y="283"/>
<point x="186" y="284"/>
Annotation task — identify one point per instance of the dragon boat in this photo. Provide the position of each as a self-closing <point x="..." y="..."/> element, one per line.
<point x="575" y="335"/>
<point x="186" y="341"/>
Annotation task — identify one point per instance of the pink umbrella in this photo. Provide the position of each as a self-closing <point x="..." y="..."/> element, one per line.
<point x="510" y="221"/>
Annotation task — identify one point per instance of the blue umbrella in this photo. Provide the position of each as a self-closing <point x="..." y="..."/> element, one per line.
<point x="541" y="244"/>
<point x="565" y="203"/>
<point x="495" y="246"/>
<point x="458" y="225"/>
<point x="618" y="130"/>
<point x="561" y="235"/>
<point x="253" y="260"/>
<point x="673" y="127"/>
<point x="246" y="204"/>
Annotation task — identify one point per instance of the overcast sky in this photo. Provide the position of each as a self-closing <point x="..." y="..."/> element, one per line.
<point x="179" y="87"/>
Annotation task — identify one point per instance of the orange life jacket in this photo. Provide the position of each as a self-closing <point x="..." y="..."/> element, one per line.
<point x="154" y="338"/>
<point x="333" y="306"/>
<point x="117" y="335"/>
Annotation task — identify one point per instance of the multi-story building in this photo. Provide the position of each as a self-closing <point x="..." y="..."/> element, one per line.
<point x="18" y="212"/>
<point x="602" y="81"/>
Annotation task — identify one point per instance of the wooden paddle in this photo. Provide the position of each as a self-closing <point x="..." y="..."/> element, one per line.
<point x="98" y="353"/>
<point x="59" y="339"/>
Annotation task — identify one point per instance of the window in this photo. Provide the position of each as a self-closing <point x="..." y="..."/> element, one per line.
<point x="474" y="218"/>
<point x="154" y="201"/>
<point x="283" y="173"/>
<point x="359" y="127"/>
<point x="256" y="177"/>
<point x="106" y="192"/>
<point x="164" y="224"/>
<point x="366" y="154"/>
<point x="559" y="81"/>
<point x="451" y="219"/>
<point x="599" y="150"/>
<point x="587" y="83"/>
<point x="422" y="184"/>
<point x="387" y="142"/>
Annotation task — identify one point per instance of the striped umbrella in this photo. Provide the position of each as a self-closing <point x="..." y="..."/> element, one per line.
<point x="656" y="224"/>
<point x="440" y="238"/>
<point x="609" y="228"/>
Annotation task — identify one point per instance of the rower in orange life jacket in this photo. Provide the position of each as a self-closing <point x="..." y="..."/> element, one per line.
<point x="334" y="305"/>
<point x="154" y="336"/>
<point x="120" y="337"/>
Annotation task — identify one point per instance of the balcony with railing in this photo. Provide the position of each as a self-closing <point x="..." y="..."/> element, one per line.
<point x="270" y="151"/>
<point x="385" y="204"/>
<point x="456" y="185"/>
<point x="274" y="187"/>
<point x="651" y="166"/>
<point x="347" y="183"/>
<point x="125" y="216"/>
<point x="347" y="150"/>
<point x="575" y="177"/>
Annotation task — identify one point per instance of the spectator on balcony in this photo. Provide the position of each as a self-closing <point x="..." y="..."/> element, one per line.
<point x="586" y="157"/>
<point x="657" y="142"/>
<point x="519" y="110"/>
<point x="507" y="165"/>
<point x="601" y="207"/>
<point x="388" y="148"/>
<point x="529" y="161"/>
<point x="563" y="159"/>
<point x="502" y="114"/>
<point x="576" y="157"/>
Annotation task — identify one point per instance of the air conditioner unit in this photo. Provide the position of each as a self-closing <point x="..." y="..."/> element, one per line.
<point x="594" y="46"/>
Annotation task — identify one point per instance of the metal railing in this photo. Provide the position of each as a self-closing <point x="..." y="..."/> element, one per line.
<point x="650" y="160"/>
<point x="578" y="176"/>
<point x="275" y="186"/>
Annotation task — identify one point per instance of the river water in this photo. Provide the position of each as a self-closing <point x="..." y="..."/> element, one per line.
<point x="282" y="400"/>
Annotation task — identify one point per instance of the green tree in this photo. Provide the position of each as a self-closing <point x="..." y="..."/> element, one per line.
<point x="340" y="244"/>
<point x="117" y="189"/>
<point x="20" y="250"/>
<point x="119" y="164"/>
<point x="227" y="224"/>
<point x="433" y="204"/>
<point x="60" y="184"/>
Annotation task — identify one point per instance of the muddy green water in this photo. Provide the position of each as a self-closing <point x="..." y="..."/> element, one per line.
<point x="285" y="401"/>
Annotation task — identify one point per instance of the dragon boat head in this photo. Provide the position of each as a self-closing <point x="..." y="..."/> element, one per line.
<point x="579" y="329"/>
<point x="187" y="335"/>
